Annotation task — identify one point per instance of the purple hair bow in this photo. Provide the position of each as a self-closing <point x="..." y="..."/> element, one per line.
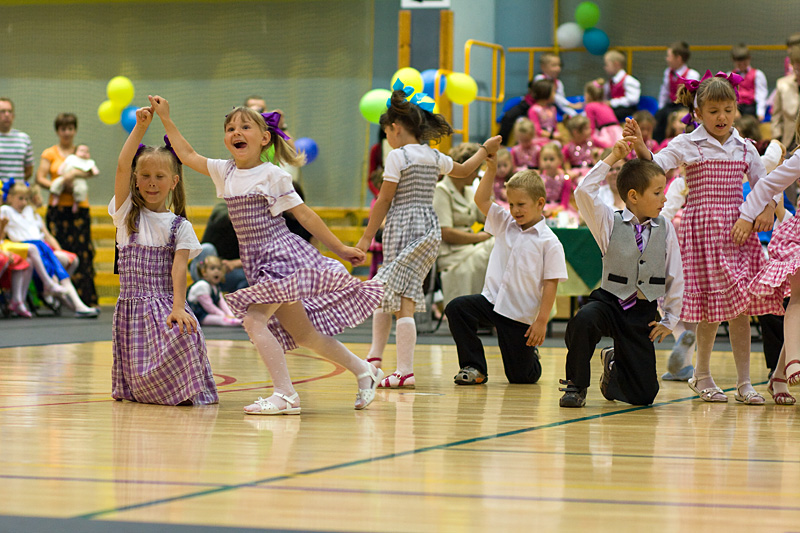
<point x="168" y="146"/>
<point x="273" y="119"/>
<point x="733" y="78"/>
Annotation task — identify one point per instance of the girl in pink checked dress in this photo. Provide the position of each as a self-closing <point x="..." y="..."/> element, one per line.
<point x="159" y="351"/>
<point x="717" y="272"/>
<point x="296" y="296"/>
<point x="781" y="275"/>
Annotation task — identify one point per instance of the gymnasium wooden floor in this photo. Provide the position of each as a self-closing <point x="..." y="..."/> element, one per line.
<point x="496" y="458"/>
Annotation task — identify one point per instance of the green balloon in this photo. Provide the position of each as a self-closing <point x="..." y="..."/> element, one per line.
<point x="373" y="104"/>
<point x="587" y="14"/>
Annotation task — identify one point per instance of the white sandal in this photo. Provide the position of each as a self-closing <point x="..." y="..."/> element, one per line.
<point x="709" y="394"/>
<point x="367" y="395"/>
<point x="748" y="397"/>
<point x="268" y="408"/>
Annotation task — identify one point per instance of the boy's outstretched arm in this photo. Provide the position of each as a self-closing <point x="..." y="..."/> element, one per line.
<point x="483" y="195"/>
<point x="182" y="148"/>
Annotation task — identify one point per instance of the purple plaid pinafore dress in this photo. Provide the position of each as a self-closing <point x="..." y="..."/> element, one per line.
<point x="411" y="236"/>
<point x="716" y="271"/>
<point x="282" y="268"/>
<point x="154" y="363"/>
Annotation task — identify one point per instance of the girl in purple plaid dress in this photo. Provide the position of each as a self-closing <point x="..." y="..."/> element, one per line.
<point x="296" y="296"/>
<point x="717" y="270"/>
<point x="159" y="350"/>
<point x="412" y="235"/>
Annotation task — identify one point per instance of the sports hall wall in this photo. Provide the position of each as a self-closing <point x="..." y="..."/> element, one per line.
<point x="314" y="59"/>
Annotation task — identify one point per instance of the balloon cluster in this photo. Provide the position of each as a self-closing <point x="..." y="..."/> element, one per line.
<point x="117" y="109"/>
<point x="460" y="88"/>
<point x="572" y="34"/>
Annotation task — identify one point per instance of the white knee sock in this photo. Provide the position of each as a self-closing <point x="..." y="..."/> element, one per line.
<point x="381" y="328"/>
<point x="406" y="343"/>
<point x="271" y="353"/>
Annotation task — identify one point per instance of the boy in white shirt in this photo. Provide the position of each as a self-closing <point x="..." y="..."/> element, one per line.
<point x="641" y="262"/>
<point x="525" y="266"/>
<point x="622" y="90"/>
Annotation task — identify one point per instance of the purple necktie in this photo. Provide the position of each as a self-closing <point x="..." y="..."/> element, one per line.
<point x="630" y="301"/>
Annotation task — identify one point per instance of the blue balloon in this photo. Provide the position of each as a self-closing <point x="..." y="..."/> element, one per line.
<point x="128" y="118"/>
<point x="308" y="147"/>
<point x="429" y="78"/>
<point x="596" y="41"/>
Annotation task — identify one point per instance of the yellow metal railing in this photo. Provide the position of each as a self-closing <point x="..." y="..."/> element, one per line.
<point x="498" y="90"/>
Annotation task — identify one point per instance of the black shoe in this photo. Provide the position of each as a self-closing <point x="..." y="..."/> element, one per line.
<point x="573" y="396"/>
<point x="607" y="358"/>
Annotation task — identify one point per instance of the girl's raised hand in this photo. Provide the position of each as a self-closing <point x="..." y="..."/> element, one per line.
<point x="493" y="144"/>
<point x="144" y="115"/>
<point x="631" y="128"/>
<point x="622" y="147"/>
<point x="159" y="105"/>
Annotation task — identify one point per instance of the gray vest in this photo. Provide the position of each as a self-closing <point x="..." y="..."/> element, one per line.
<point x="626" y="269"/>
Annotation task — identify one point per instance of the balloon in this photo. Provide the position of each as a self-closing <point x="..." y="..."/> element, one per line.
<point x="587" y="14"/>
<point x="596" y="41"/>
<point x="120" y="91"/>
<point x="411" y="77"/>
<point x="128" y="118"/>
<point x="461" y="88"/>
<point x="306" y="146"/>
<point x="429" y="78"/>
<point x="373" y="104"/>
<point x="569" y="35"/>
<point x="108" y="112"/>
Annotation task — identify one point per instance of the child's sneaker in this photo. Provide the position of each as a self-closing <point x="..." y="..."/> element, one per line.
<point x="573" y="396"/>
<point x="470" y="376"/>
<point x="678" y="355"/>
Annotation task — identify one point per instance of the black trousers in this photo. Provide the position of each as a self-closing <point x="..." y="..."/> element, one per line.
<point x="772" y="336"/>
<point x="466" y="313"/>
<point x="622" y="112"/>
<point x="748" y="109"/>
<point x="633" y="376"/>
<point x="662" y="118"/>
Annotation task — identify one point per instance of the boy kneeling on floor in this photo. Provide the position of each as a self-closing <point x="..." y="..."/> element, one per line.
<point x="641" y="263"/>
<point x="525" y="266"/>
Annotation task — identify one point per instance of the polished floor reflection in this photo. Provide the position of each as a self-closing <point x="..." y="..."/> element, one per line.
<point x="439" y="458"/>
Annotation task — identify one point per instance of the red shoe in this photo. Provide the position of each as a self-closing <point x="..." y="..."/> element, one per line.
<point x="793" y="372"/>
<point x="19" y="309"/>
<point x="781" y="398"/>
<point x="396" y="381"/>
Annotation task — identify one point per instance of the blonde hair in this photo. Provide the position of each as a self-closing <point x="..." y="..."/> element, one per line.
<point x="714" y="89"/>
<point x="594" y="90"/>
<point x="176" y="200"/>
<point x="461" y="152"/>
<point x="209" y="260"/>
<point x="577" y="123"/>
<point x="284" y="153"/>
<point x="503" y="153"/>
<point x="529" y="182"/>
<point x="615" y="56"/>
<point x="19" y="187"/>
<point x="675" y="115"/>
<point x="523" y="125"/>
<point x="552" y="147"/>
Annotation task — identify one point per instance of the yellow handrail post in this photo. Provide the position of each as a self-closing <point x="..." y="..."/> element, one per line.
<point x="446" y="18"/>
<point x="403" y="39"/>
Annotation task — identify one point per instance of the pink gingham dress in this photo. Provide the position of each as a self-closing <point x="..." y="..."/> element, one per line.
<point x="282" y="268"/>
<point x="154" y="363"/>
<point x="716" y="271"/>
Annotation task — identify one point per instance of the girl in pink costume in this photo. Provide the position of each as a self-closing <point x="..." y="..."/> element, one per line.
<point x="605" y="128"/>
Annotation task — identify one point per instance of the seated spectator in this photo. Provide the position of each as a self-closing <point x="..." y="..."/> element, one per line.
<point x="15" y="274"/>
<point x="580" y="153"/>
<point x="23" y="226"/>
<point x="543" y="112"/>
<point x="525" y="154"/>
<point x="463" y="254"/>
<point x="505" y="167"/>
<point x="559" y="187"/>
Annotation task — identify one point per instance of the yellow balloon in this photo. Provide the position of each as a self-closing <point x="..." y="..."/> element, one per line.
<point x="109" y="113"/>
<point x="410" y="77"/>
<point x="120" y="91"/>
<point x="461" y="88"/>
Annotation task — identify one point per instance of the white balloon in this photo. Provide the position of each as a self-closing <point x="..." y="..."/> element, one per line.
<point x="570" y="35"/>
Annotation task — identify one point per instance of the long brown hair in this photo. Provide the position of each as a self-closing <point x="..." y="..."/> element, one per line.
<point x="176" y="201"/>
<point x="423" y="125"/>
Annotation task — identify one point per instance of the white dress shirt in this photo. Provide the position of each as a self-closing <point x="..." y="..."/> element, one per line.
<point x="633" y="90"/>
<point x="684" y="72"/>
<point x="520" y="262"/>
<point x="599" y="218"/>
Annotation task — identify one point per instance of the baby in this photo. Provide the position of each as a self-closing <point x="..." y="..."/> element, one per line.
<point x="81" y="160"/>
